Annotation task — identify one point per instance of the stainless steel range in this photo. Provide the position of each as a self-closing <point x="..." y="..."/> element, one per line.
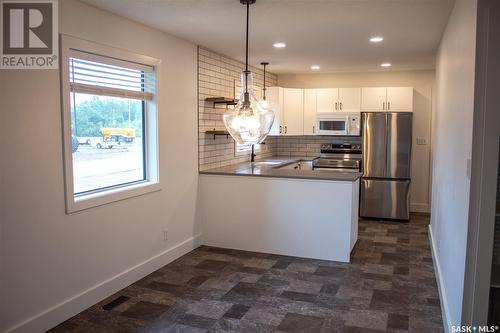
<point x="339" y="157"/>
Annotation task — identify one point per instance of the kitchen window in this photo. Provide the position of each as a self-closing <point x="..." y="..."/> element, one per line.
<point x="245" y="147"/>
<point x="110" y="127"/>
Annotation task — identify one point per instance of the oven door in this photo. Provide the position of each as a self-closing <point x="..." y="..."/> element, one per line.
<point x="348" y="165"/>
<point x="332" y="125"/>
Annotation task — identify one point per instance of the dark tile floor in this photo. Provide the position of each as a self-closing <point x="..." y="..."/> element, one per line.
<point x="388" y="287"/>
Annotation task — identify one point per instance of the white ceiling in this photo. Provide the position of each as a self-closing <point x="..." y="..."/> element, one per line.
<point x="331" y="33"/>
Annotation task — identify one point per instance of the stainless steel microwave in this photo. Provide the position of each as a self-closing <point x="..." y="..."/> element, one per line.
<point x="338" y="123"/>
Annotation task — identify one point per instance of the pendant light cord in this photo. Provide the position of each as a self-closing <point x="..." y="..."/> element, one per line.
<point x="264" y="98"/>
<point x="246" y="54"/>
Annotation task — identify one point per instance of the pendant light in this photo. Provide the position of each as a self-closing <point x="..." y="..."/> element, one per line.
<point x="264" y="102"/>
<point x="250" y="121"/>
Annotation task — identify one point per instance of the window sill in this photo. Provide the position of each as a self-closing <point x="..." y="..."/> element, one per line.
<point x="75" y="204"/>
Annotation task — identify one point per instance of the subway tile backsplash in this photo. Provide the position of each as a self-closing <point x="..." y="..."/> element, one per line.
<point x="217" y="75"/>
<point x="308" y="146"/>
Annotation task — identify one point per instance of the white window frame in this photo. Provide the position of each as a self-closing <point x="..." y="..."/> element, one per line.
<point x="69" y="46"/>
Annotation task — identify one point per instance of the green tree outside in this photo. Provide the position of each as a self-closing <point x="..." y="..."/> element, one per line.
<point x="90" y="115"/>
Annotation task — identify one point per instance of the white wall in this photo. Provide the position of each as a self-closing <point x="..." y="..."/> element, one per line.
<point x="49" y="257"/>
<point x="423" y="82"/>
<point x="452" y="133"/>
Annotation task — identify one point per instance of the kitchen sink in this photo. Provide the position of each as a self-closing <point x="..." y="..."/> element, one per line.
<point x="267" y="163"/>
<point x="297" y="165"/>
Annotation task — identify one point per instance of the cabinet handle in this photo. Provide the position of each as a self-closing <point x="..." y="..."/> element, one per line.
<point x="286" y="130"/>
<point x="280" y="129"/>
<point x="336" y="106"/>
<point x="313" y="129"/>
<point x="383" y="105"/>
<point x="388" y="105"/>
<point x="340" y="105"/>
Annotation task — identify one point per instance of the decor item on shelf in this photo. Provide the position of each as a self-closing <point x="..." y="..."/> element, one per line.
<point x="249" y="122"/>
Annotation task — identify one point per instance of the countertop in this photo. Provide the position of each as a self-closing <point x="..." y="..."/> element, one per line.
<point x="269" y="167"/>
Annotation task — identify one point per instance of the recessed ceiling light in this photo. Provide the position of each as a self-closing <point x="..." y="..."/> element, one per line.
<point x="279" y="45"/>
<point x="315" y="67"/>
<point x="376" y="39"/>
<point x="385" y="64"/>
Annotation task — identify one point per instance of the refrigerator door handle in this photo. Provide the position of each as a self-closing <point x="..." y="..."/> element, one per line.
<point x="374" y="144"/>
<point x="399" y="137"/>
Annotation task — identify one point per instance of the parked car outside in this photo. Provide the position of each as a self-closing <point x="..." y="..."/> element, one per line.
<point x="74" y="143"/>
<point x="103" y="144"/>
<point x="83" y="140"/>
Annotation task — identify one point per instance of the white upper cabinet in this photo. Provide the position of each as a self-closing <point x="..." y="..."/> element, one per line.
<point x="399" y="99"/>
<point x="338" y="100"/>
<point x="373" y="99"/>
<point x="274" y="96"/>
<point x="392" y="99"/>
<point x="310" y="99"/>
<point x="349" y="99"/>
<point x="327" y="100"/>
<point x="293" y="111"/>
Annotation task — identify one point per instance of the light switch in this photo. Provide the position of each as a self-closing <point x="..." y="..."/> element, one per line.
<point x="421" y="141"/>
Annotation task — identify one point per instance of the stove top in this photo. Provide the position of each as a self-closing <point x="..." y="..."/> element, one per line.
<point x="340" y="156"/>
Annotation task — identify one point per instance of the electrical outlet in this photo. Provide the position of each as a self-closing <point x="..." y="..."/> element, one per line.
<point x="165" y="234"/>
<point x="421" y="141"/>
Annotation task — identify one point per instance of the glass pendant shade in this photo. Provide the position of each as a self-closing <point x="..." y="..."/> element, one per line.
<point x="250" y="121"/>
<point x="265" y="104"/>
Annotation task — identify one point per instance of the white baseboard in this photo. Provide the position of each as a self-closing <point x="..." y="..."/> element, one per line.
<point x="437" y="269"/>
<point x="420" y="207"/>
<point x="74" y="305"/>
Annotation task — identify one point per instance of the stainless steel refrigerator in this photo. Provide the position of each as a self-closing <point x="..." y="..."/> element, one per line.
<point x="385" y="185"/>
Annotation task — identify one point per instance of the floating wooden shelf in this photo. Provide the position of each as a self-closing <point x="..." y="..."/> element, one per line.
<point x="222" y="100"/>
<point x="216" y="133"/>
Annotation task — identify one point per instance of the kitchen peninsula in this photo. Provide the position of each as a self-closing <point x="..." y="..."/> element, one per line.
<point x="268" y="207"/>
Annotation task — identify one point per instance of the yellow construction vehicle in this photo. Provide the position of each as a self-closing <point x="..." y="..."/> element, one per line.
<point x="118" y="134"/>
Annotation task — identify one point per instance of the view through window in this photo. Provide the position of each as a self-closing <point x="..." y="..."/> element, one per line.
<point x="107" y="125"/>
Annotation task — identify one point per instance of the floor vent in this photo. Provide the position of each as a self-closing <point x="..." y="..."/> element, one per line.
<point x="114" y="303"/>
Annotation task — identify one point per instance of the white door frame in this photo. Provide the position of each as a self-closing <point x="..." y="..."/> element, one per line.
<point x="484" y="165"/>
